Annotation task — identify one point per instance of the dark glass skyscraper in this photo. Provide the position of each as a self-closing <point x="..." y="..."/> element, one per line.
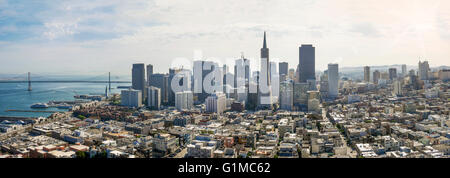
<point x="201" y="94"/>
<point x="149" y="73"/>
<point x="283" y="70"/>
<point x="161" y="81"/>
<point x="392" y="73"/>
<point x="138" y="79"/>
<point x="307" y="61"/>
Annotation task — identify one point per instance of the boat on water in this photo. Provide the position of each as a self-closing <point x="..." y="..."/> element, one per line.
<point x="39" y="106"/>
<point x="123" y="87"/>
<point x="64" y="106"/>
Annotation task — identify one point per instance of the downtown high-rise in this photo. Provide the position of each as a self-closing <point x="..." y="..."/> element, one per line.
<point x="367" y="74"/>
<point x="333" y="80"/>
<point x="264" y="89"/>
<point x="307" y="63"/>
<point x="138" y="79"/>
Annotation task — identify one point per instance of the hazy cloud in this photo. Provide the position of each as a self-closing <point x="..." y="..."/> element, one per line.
<point x="109" y="35"/>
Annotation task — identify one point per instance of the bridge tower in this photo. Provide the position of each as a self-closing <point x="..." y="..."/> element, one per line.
<point x="109" y="81"/>
<point x="29" y="81"/>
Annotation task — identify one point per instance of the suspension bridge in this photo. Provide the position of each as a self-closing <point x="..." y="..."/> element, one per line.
<point x="39" y="78"/>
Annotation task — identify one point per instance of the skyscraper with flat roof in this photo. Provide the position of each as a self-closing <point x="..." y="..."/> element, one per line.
<point x="392" y="73"/>
<point x="200" y="72"/>
<point x="161" y="81"/>
<point x="287" y="95"/>
<point x="424" y="67"/>
<point x="367" y="74"/>
<point x="283" y="70"/>
<point x="154" y="98"/>
<point x="149" y="73"/>
<point x="376" y="76"/>
<point x="333" y="80"/>
<point x="307" y="62"/>
<point x="404" y="70"/>
<point x="241" y="79"/>
<point x="138" y="79"/>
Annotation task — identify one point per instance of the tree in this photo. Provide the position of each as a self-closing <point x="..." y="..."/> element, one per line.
<point x="102" y="154"/>
<point x="80" y="154"/>
<point x="81" y="117"/>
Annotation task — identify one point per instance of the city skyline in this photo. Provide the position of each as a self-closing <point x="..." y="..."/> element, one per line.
<point x="47" y="36"/>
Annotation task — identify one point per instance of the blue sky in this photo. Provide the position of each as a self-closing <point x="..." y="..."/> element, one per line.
<point x="96" y="36"/>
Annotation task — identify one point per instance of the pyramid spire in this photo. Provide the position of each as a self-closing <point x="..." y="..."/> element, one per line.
<point x="264" y="44"/>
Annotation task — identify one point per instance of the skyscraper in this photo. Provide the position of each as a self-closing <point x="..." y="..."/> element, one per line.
<point x="265" y="60"/>
<point x="367" y="74"/>
<point x="333" y="80"/>
<point x="149" y="73"/>
<point x="392" y="73"/>
<point x="397" y="91"/>
<point x="404" y="71"/>
<point x="154" y="98"/>
<point x="138" y="79"/>
<point x="242" y="79"/>
<point x="200" y="74"/>
<point x="283" y="70"/>
<point x="301" y="96"/>
<point x="376" y="76"/>
<point x="287" y="95"/>
<point x="161" y="81"/>
<point x="424" y="67"/>
<point x="171" y="93"/>
<point x="292" y="74"/>
<point x="252" y="97"/>
<point x="307" y="62"/>
<point x="264" y="89"/>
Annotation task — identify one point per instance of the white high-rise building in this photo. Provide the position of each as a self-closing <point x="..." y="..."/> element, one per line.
<point x="154" y="98"/>
<point x="265" y="92"/>
<point x="216" y="103"/>
<point x="184" y="100"/>
<point x="131" y="98"/>
<point x="287" y="95"/>
<point x="424" y="67"/>
<point x="397" y="88"/>
<point x="333" y="80"/>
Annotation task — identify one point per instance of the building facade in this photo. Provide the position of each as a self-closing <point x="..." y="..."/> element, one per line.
<point x="154" y="98"/>
<point x="138" y="79"/>
<point x="307" y="62"/>
<point x="333" y="80"/>
<point x="131" y="98"/>
<point x="216" y="103"/>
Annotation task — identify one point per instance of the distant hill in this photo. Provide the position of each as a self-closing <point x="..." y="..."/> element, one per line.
<point x="385" y="68"/>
